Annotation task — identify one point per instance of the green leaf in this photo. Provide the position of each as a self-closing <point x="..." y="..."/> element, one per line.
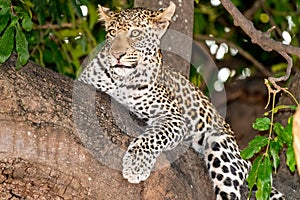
<point x="284" y="134"/>
<point x="264" y="179"/>
<point x="3" y="22"/>
<point x="252" y="177"/>
<point x="6" y="44"/>
<point x="14" y="20"/>
<point x="290" y="158"/>
<point x="278" y="128"/>
<point x="274" y="153"/>
<point x="40" y="10"/>
<point x="254" y="147"/>
<point x="27" y="23"/>
<point x="76" y="8"/>
<point x="93" y="15"/>
<point x="262" y="124"/>
<point x="21" y="47"/>
<point x="4" y="7"/>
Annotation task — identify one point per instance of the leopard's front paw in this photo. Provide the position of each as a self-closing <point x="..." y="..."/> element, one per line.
<point x="137" y="165"/>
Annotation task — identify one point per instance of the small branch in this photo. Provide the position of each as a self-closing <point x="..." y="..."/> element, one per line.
<point x="273" y="80"/>
<point x="262" y="39"/>
<point x="258" y="37"/>
<point x="244" y="53"/>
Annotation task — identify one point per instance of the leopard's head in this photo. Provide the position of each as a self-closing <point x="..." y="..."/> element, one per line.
<point x="133" y="37"/>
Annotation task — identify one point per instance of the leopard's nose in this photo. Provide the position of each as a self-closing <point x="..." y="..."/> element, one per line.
<point x="118" y="55"/>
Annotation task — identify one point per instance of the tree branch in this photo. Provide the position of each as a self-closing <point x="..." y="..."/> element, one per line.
<point x="61" y="139"/>
<point x="262" y="39"/>
<point x="257" y="37"/>
<point x="289" y="60"/>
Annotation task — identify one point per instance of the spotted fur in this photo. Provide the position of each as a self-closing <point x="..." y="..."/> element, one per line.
<point x="129" y="68"/>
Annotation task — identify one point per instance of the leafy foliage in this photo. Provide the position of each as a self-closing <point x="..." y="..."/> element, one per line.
<point x="56" y="34"/>
<point x="254" y="147"/>
<point x="269" y="149"/>
<point x="262" y="124"/>
<point x="13" y="22"/>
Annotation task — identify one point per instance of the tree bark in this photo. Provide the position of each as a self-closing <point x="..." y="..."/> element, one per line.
<point x="60" y="139"/>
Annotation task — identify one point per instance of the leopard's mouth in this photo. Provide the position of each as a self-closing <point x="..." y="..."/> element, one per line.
<point x="124" y="66"/>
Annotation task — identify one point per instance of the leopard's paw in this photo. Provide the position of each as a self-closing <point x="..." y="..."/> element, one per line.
<point x="137" y="165"/>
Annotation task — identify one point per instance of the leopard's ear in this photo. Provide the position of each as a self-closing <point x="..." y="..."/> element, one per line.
<point x="167" y="13"/>
<point x="163" y="19"/>
<point x="103" y="14"/>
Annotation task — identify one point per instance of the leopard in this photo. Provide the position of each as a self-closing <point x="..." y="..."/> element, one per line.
<point x="129" y="68"/>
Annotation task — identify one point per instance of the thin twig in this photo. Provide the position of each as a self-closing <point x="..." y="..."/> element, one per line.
<point x="273" y="80"/>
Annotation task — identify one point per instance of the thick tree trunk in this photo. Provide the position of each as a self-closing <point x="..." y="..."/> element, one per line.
<point x="60" y="139"/>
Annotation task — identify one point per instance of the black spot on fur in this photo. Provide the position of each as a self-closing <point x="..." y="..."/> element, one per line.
<point x="200" y="141"/>
<point x="213" y="175"/>
<point x="233" y="170"/>
<point x="233" y="196"/>
<point x="224" y="195"/>
<point x="217" y="190"/>
<point x="224" y="157"/>
<point x="225" y="169"/>
<point x="215" y="146"/>
<point x="236" y="184"/>
<point x="210" y="157"/>
<point x="227" y="182"/>
<point x="216" y="163"/>
<point x="241" y="175"/>
<point x="220" y="177"/>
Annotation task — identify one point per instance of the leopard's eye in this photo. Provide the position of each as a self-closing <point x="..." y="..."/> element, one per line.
<point x="135" y="33"/>
<point x="112" y="32"/>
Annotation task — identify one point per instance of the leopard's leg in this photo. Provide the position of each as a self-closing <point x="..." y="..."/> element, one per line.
<point x="227" y="169"/>
<point x="164" y="134"/>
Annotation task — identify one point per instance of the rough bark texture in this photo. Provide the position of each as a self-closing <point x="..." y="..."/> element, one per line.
<point x="51" y="144"/>
<point x="177" y="42"/>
